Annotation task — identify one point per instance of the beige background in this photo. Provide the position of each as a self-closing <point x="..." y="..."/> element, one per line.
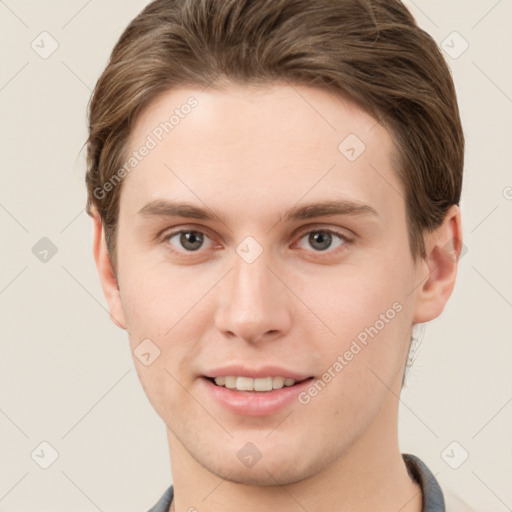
<point x="66" y="374"/>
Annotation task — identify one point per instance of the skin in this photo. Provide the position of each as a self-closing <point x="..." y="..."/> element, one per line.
<point x="249" y="155"/>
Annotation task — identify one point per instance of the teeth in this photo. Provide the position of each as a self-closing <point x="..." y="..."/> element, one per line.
<point x="245" y="384"/>
<point x="229" y="382"/>
<point x="264" y="384"/>
<point x="277" y="382"/>
<point x="249" y="384"/>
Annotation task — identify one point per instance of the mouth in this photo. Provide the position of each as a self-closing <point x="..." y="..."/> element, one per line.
<point x="256" y="392"/>
<point x="259" y="384"/>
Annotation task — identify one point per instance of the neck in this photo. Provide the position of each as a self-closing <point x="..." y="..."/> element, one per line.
<point x="371" y="475"/>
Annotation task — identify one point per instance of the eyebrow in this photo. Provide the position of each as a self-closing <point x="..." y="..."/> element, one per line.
<point x="328" y="208"/>
<point x="164" y="208"/>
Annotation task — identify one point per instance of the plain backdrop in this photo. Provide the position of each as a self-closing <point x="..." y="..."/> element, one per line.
<point x="66" y="374"/>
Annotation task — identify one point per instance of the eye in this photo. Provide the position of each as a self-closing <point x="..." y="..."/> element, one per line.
<point x="322" y="240"/>
<point x="188" y="240"/>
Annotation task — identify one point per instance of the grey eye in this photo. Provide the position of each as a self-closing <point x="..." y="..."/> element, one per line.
<point x="320" y="240"/>
<point x="189" y="240"/>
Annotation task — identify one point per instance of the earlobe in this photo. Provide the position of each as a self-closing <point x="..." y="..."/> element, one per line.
<point x="106" y="274"/>
<point x="439" y="267"/>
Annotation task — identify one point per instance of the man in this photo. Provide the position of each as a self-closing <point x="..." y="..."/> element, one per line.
<point x="274" y="188"/>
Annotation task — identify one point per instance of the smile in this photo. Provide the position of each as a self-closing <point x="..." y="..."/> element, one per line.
<point x="239" y="383"/>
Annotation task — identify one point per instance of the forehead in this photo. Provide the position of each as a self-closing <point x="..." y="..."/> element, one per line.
<point x="267" y="145"/>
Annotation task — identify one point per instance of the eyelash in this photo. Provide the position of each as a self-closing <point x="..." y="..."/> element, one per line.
<point x="345" y="240"/>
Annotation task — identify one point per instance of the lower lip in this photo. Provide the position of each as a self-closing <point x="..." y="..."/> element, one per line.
<point x="255" y="403"/>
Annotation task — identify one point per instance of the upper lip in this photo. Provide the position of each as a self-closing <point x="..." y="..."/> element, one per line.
<point x="254" y="373"/>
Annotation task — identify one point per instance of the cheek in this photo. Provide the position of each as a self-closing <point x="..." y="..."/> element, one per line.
<point x="369" y="315"/>
<point x="159" y="302"/>
<point x="352" y="300"/>
<point x="363" y="360"/>
<point x="171" y="310"/>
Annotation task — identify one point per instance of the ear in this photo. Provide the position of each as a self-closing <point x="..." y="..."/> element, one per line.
<point x="438" y="268"/>
<point x="106" y="274"/>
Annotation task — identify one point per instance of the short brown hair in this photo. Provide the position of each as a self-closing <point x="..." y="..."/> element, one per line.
<point x="371" y="51"/>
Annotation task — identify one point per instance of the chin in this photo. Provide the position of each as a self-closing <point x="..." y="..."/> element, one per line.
<point x="263" y="476"/>
<point x="271" y="469"/>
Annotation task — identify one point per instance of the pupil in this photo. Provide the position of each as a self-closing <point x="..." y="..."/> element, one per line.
<point x="320" y="240"/>
<point x="191" y="240"/>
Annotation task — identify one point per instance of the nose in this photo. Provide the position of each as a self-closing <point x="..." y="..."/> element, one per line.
<point x="254" y="305"/>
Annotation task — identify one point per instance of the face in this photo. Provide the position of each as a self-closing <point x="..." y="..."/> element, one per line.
<point x="264" y="238"/>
